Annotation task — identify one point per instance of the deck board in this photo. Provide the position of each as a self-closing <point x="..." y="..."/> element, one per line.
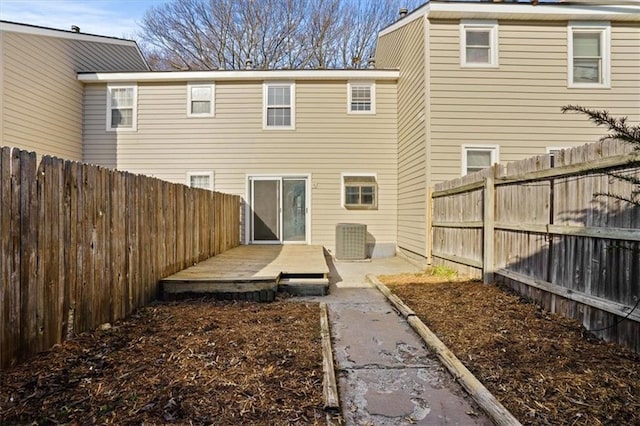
<point x="249" y="268"/>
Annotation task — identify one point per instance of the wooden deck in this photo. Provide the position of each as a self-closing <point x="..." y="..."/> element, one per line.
<point x="255" y="272"/>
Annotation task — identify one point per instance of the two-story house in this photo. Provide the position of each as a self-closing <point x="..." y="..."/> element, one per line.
<point x="457" y="86"/>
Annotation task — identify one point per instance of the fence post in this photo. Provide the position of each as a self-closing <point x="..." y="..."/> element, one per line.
<point x="488" y="229"/>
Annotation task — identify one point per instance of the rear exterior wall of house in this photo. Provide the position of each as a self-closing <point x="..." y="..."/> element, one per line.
<point x="326" y="144"/>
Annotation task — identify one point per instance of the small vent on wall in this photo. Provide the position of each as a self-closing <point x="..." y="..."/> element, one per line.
<point x="351" y="241"/>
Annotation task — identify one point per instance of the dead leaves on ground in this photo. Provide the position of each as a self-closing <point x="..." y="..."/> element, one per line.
<point x="199" y="362"/>
<point x="544" y="368"/>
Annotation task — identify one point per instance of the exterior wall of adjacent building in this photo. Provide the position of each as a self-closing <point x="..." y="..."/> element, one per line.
<point x="326" y="143"/>
<point x="517" y="105"/>
<point x="404" y="49"/>
<point x="41" y="97"/>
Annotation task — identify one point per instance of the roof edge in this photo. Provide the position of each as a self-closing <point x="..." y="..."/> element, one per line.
<point x="498" y="10"/>
<point x="160" y="76"/>
<point x="19" y="27"/>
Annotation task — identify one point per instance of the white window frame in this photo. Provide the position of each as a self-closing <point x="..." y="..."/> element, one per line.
<point x="492" y="27"/>
<point x="604" y="28"/>
<point x="292" y="104"/>
<point x="551" y="150"/>
<point x="372" y="87"/>
<point x="134" y="118"/>
<point x="211" y="86"/>
<point x="494" y="149"/>
<point x="345" y="206"/>
<point x="206" y="173"/>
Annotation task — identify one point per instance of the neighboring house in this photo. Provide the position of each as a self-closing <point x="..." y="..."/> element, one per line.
<point x="484" y="82"/>
<point x="458" y="86"/>
<point x="40" y="95"/>
<point x="305" y="149"/>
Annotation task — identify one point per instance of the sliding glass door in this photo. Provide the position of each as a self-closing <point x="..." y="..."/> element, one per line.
<point x="278" y="209"/>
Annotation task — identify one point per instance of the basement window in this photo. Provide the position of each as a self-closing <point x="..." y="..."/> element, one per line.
<point x="360" y="192"/>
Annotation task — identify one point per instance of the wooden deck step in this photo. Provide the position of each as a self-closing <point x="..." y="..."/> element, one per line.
<point x="304" y="286"/>
<point x="258" y="290"/>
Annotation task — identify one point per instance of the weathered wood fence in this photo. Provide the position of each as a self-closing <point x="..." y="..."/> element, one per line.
<point x="83" y="245"/>
<point x="543" y="230"/>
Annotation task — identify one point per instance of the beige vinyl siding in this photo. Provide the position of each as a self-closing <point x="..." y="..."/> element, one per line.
<point x="41" y="97"/>
<point x="326" y="142"/>
<point x="517" y="105"/>
<point x="404" y="49"/>
<point x="42" y="100"/>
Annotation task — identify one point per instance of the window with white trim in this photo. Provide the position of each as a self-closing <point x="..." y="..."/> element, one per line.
<point x="200" y="100"/>
<point x="279" y="106"/>
<point x="553" y="154"/>
<point x="202" y="180"/>
<point x="121" y="107"/>
<point x="478" y="157"/>
<point x="359" y="192"/>
<point x="361" y="98"/>
<point x="589" y="55"/>
<point x="478" y="44"/>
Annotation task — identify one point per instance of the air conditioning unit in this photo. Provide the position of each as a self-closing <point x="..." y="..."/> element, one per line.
<point x="351" y="241"/>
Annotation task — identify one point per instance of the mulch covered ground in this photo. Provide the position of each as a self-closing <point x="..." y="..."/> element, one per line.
<point x="188" y="362"/>
<point x="544" y="368"/>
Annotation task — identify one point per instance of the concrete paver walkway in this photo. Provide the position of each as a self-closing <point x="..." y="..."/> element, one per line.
<point x="386" y="375"/>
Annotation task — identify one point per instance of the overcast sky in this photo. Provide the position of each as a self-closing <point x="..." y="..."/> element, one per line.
<point x="116" y="18"/>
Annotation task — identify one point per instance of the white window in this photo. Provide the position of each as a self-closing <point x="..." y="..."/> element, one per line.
<point x="121" y="107"/>
<point x="361" y="98"/>
<point x="200" y="100"/>
<point x="479" y="44"/>
<point x="553" y="154"/>
<point x="589" y="55"/>
<point x="279" y="106"/>
<point x="359" y="191"/>
<point x="202" y="180"/>
<point x="478" y="157"/>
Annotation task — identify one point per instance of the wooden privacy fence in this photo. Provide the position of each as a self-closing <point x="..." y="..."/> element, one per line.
<point x="83" y="245"/>
<point x="543" y="230"/>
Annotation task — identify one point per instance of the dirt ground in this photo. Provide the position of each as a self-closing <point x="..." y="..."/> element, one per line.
<point x="188" y="362"/>
<point x="544" y="368"/>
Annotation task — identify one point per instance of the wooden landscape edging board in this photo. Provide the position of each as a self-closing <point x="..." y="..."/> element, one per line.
<point x="606" y="305"/>
<point x="329" y="384"/>
<point x="83" y="245"/>
<point x="485" y="399"/>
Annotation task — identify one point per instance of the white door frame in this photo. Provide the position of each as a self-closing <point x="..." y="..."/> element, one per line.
<point x="281" y="177"/>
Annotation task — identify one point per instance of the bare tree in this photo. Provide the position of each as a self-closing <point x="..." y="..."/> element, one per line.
<point x="224" y="34"/>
